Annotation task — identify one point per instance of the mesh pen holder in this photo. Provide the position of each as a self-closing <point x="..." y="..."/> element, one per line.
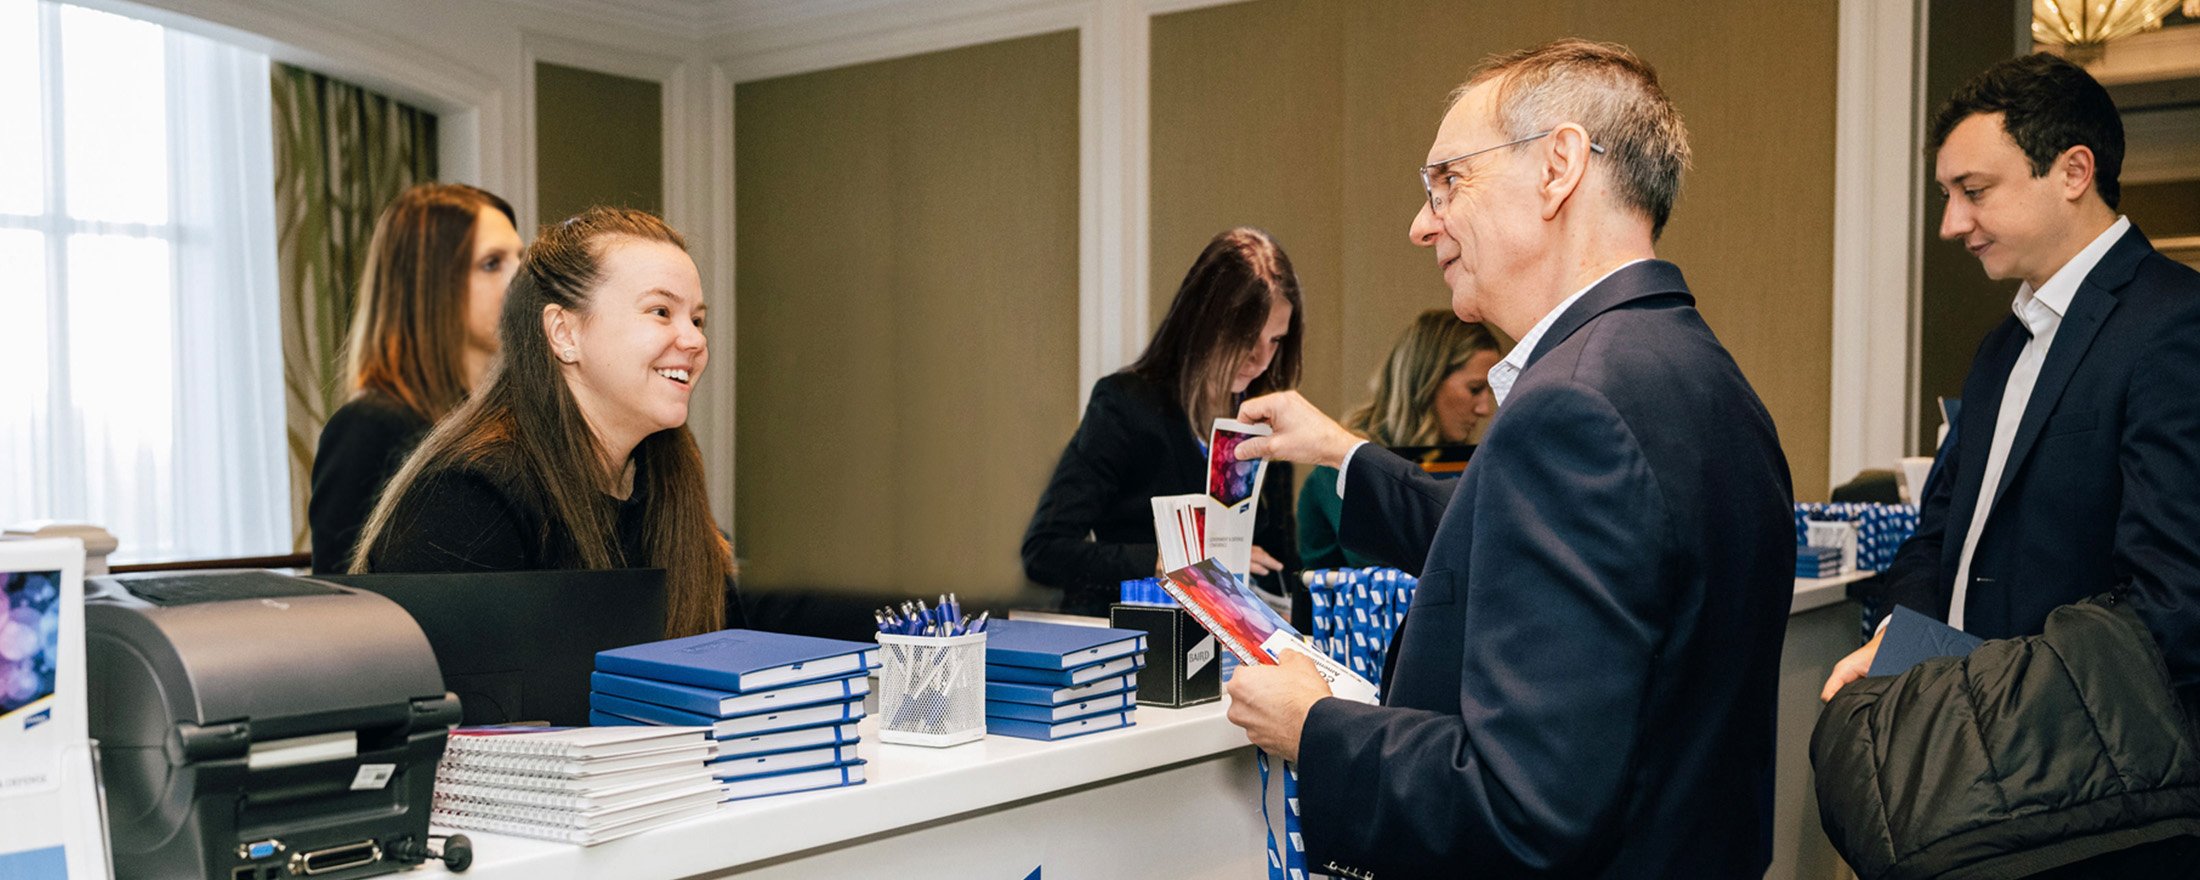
<point x="931" y="689"/>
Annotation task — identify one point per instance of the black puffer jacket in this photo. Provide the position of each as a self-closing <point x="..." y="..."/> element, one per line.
<point x="2029" y="754"/>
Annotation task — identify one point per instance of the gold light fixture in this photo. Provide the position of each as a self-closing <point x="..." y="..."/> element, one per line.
<point x="2084" y="27"/>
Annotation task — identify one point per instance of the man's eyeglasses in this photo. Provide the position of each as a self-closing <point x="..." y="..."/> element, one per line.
<point x="1433" y="172"/>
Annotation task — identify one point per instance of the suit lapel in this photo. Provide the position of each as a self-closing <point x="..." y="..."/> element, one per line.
<point x="1639" y="280"/>
<point x="1975" y="429"/>
<point x="2088" y="310"/>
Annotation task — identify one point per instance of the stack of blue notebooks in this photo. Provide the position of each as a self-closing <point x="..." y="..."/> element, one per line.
<point x="1053" y="681"/>
<point x="1817" y="562"/>
<point x="782" y="708"/>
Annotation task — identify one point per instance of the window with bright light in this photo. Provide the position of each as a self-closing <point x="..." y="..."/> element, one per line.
<point x="137" y="323"/>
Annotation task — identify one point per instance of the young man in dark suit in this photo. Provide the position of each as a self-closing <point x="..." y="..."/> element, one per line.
<point x="2076" y="469"/>
<point x="1584" y="685"/>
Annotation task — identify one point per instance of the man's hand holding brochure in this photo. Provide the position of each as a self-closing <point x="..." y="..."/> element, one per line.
<point x="1274" y="659"/>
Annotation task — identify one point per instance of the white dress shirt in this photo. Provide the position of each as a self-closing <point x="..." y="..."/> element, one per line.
<point x="2042" y="312"/>
<point x="1507" y="371"/>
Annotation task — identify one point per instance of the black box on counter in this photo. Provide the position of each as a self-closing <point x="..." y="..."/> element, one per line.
<point x="1183" y="663"/>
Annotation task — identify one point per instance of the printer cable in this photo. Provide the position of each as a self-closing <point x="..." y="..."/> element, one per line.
<point x="456" y="852"/>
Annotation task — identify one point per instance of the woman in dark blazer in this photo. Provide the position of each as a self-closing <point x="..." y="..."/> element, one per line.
<point x="424" y="333"/>
<point x="1232" y="331"/>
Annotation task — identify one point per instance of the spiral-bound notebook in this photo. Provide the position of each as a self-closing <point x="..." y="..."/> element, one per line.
<point x="577" y="768"/>
<point x="585" y="827"/>
<point x="615" y="797"/>
<point x="681" y="768"/>
<point x="567" y="742"/>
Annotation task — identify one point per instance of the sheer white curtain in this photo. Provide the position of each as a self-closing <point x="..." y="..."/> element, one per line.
<point x="138" y="326"/>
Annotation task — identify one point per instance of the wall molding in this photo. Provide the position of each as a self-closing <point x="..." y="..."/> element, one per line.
<point x="1877" y="206"/>
<point x="834" y="42"/>
<point x="540" y="48"/>
<point x="1114" y="86"/>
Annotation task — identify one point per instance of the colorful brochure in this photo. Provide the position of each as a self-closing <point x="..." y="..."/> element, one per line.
<point x="1250" y="629"/>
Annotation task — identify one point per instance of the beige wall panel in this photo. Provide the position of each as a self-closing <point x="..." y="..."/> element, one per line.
<point x="599" y="140"/>
<point x="907" y="236"/>
<point x="1245" y="102"/>
<point x="1753" y="228"/>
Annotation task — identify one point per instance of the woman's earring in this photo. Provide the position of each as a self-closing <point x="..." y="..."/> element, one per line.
<point x="572" y="354"/>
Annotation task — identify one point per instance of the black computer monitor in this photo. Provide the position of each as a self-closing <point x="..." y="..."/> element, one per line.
<point x="519" y="645"/>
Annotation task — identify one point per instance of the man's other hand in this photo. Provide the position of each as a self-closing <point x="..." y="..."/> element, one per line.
<point x="1302" y="432"/>
<point x="1852" y="667"/>
<point x="1271" y="702"/>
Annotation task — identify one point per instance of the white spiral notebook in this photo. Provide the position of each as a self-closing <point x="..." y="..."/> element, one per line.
<point x="567" y="742"/>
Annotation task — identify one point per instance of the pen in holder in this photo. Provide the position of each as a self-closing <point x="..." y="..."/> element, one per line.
<point x="931" y="689"/>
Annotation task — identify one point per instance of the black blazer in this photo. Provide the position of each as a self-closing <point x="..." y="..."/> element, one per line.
<point x="1584" y="685"/>
<point x="487" y="518"/>
<point x="2101" y="490"/>
<point x="1094" y="526"/>
<point x="364" y="443"/>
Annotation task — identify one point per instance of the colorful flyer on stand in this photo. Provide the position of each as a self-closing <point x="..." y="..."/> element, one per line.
<point x="1250" y="629"/>
<point x="1180" y="529"/>
<point x="49" y="803"/>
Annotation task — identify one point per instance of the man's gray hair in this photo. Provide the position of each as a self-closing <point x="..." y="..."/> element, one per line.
<point x="1607" y="90"/>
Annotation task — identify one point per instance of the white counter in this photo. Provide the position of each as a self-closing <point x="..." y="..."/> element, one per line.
<point x="1174" y="796"/>
<point x="1812" y="594"/>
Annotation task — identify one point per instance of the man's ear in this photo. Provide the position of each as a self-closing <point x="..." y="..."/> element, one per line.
<point x="2073" y="172"/>
<point x="1565" y="165"/>
<point x="561" y="328"/>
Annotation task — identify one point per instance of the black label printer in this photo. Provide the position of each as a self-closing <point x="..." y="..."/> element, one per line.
<point x="258" y="726"/>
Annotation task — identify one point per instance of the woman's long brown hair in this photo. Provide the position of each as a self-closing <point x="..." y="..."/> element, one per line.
<point x="408" y="331"/>
<point x="1403" y="412"/>
<point x="1216" y="318"/>
<point x="525" y="429"/>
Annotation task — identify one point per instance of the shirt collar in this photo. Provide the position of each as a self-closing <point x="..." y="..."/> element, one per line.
<point x="1507" y="371"/>
<point x="2062" y="287"/>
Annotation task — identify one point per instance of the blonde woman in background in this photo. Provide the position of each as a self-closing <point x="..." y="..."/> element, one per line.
<point x="1433" y="390"/>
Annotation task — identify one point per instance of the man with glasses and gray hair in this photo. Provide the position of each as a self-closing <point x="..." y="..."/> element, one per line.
<point x="1584" y="685"/>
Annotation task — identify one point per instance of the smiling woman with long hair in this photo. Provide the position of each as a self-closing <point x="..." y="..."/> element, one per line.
<point x="1233" y="331"/>
<point x="576" y="454"/>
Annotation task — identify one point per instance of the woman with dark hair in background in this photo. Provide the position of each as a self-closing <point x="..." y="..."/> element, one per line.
<point x="1233" y="331"/>
<point x="576" y="454"/>
<point x="1433" y="390"/>
<point x="422" y="335"/>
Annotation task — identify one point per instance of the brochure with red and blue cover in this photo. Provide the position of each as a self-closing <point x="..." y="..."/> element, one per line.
<point x="1250" y="629"/>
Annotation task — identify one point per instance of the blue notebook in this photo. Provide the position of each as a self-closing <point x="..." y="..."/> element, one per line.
<point x="719" y="704"/>
<point x="1912" y="638"/>
<point x="1065" y="677"/>
<point x="740" y="660"/>
<point x="1115" y="702"/>
<point x="724" y="728"/>
<point x="790" y="781"/>
<point x="1052" y="730"/>
<point x="759" y="743"/>
<point x="1038" y="645"/>
<point x="744" y="766"/>
<point x="1050" y="695"/>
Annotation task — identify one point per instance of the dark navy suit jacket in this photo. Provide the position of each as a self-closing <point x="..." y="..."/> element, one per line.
<point x="2101" y="490"/>
<point x="1584" y="685"/>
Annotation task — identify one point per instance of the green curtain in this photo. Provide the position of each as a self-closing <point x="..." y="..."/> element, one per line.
<point x="341" y="154"/>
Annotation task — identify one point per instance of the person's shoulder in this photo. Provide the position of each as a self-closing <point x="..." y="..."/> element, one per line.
<point x="2163" y="285"/>
<point x="1126" y="385"/>
<point x="374" y="411"/>
<point x="1126" y="394"/>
